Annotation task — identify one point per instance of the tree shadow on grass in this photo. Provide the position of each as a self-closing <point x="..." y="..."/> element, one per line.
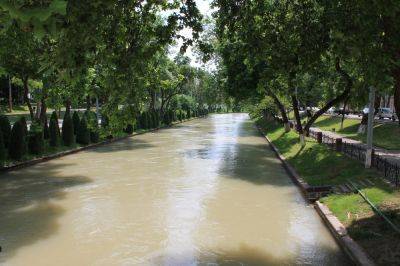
<point x="28" y="210"/>
<point x="378" y="238"/>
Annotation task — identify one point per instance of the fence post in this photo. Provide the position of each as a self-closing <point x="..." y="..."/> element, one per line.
<point x="319" y="137"/>
<point x="339" y="144"/>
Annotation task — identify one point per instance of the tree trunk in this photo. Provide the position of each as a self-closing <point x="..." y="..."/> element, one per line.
<point x="10" y="99"/>
<point x="338" y="99"/>
<point x="38" y="110"/>
<point x="88" y="103"/>
<point x="68" y="106"/>
<point x="282" y="109"/>
<point x="344" y="112"/>
<point x="152" y="94"/>
<point x="26" y="97"/>
<point x="396" y="98"/>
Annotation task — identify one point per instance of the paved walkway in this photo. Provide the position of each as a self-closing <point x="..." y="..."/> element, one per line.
<point x="392" y="155"/>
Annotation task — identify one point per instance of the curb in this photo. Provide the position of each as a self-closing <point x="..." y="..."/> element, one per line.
<point x="355" y="252"/>
<point x="24" y="164"/>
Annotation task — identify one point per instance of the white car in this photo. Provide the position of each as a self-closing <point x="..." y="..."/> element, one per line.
<point x="386" y="113"/>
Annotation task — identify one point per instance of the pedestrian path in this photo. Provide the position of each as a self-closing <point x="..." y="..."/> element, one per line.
<point x="391" y="155"/>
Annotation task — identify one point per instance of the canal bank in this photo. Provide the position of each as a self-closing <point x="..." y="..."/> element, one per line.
<point x="206" y="191"/>
<point x="319" y="166"/>
<point x="353" y="250"/>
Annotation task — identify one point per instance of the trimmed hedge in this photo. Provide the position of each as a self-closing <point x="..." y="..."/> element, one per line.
<point x="83" y="136"/>
<point x="46" y="131"/>
<point x="5" y="127"/>
<point x="3" y="151"/>
<point x="54" y="130"/>
<point x="35" y="139"/>
<point x="17" y="146"/>
<point x="76" y="121"/>
<point x="68" y="136"/>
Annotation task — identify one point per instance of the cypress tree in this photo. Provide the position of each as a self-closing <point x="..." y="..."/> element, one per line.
<point x="46" y="131"/>
<point x="54" y="130"/>
<point x="17" y="145"/>
<point x="68" y="130"/>
<point x="129" y="129"/>
<point x="94" y="129"/>
<point x="24" y="125"/>
<point x="3" y="151"/>
<point x="83" y="136"/>
<point x="35" y="139"/>
<point x="76" y="121"/>
<point x="145" y="124"/>
<point x="5" y="128"/>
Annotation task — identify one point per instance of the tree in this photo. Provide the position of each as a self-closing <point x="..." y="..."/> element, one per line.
<point x="3" y="150"/>
<point x="54" y="130"/>
<point x="19" y="55"/>
<point x="17" y="146"/>
<point x="68" y="130"/>
<point x="83" y="136"/>
<point x="5" y="128"/>
<point x="35" y="139"/>
<point x="76" y="121"/>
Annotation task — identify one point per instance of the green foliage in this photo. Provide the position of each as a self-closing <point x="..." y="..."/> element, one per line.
<point x="24" y="125"/>
<point x="83" y="136"/>
<point x="5" y="128"/>
<point x="129" y="129"/>
<point x="93" y="128"/>
<point x="17" y="146"/>
<point x="68" y="136"/>
<point x="76" y="121"/>
<point x="46" y="130"/>
<point x="54" y="130"/>
<point x="35" y="139"/>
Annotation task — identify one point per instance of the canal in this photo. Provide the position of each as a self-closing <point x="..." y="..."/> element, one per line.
<point x="206" y="192"/>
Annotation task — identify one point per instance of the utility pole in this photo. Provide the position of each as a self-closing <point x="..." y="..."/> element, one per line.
<point x="370" y="129"/>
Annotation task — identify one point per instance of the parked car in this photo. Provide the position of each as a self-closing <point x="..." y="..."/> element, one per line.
<point x="341" y="111"/>
<point x="386" y="113"/>
<point x="331" y="110"/>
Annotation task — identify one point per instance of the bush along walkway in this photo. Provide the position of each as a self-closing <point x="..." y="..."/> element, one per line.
<point x="84" y="140"/>
<point x="320" y="166"/>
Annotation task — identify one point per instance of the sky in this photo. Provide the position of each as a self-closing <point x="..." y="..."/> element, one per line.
<point x="205" y="9"/>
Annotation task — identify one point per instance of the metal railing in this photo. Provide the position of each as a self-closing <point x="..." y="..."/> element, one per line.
<point x="390" y="169"/>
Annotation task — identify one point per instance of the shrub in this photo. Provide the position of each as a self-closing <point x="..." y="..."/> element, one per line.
<point x="68" y="130"/>
<point x="83" y="136"/>
<point x="54" y="130"/>
<point x="35" y="139"/>
<point x="3" y="152"/>
<point x="17" y="145"/>
<point x="93" y="126"/>
<point x="24" y="126"/>
<point x="129" y="129"/>
<point x="46" y="131"/>
<point x="76" y="121"/>
<point x="5" y="128"/>
<point x="144" y="121"/>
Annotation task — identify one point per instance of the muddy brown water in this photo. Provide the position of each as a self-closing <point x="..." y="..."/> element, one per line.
<point x="206" y="192"/>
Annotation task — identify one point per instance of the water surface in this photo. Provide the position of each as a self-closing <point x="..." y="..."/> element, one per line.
<point x="206" y="192"/>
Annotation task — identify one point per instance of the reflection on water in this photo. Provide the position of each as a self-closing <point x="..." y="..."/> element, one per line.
<point x="207" y="192"/>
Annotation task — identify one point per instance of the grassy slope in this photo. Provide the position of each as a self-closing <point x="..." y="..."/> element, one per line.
<point x="318" y="165"/>
<point x="385" y="135"/>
